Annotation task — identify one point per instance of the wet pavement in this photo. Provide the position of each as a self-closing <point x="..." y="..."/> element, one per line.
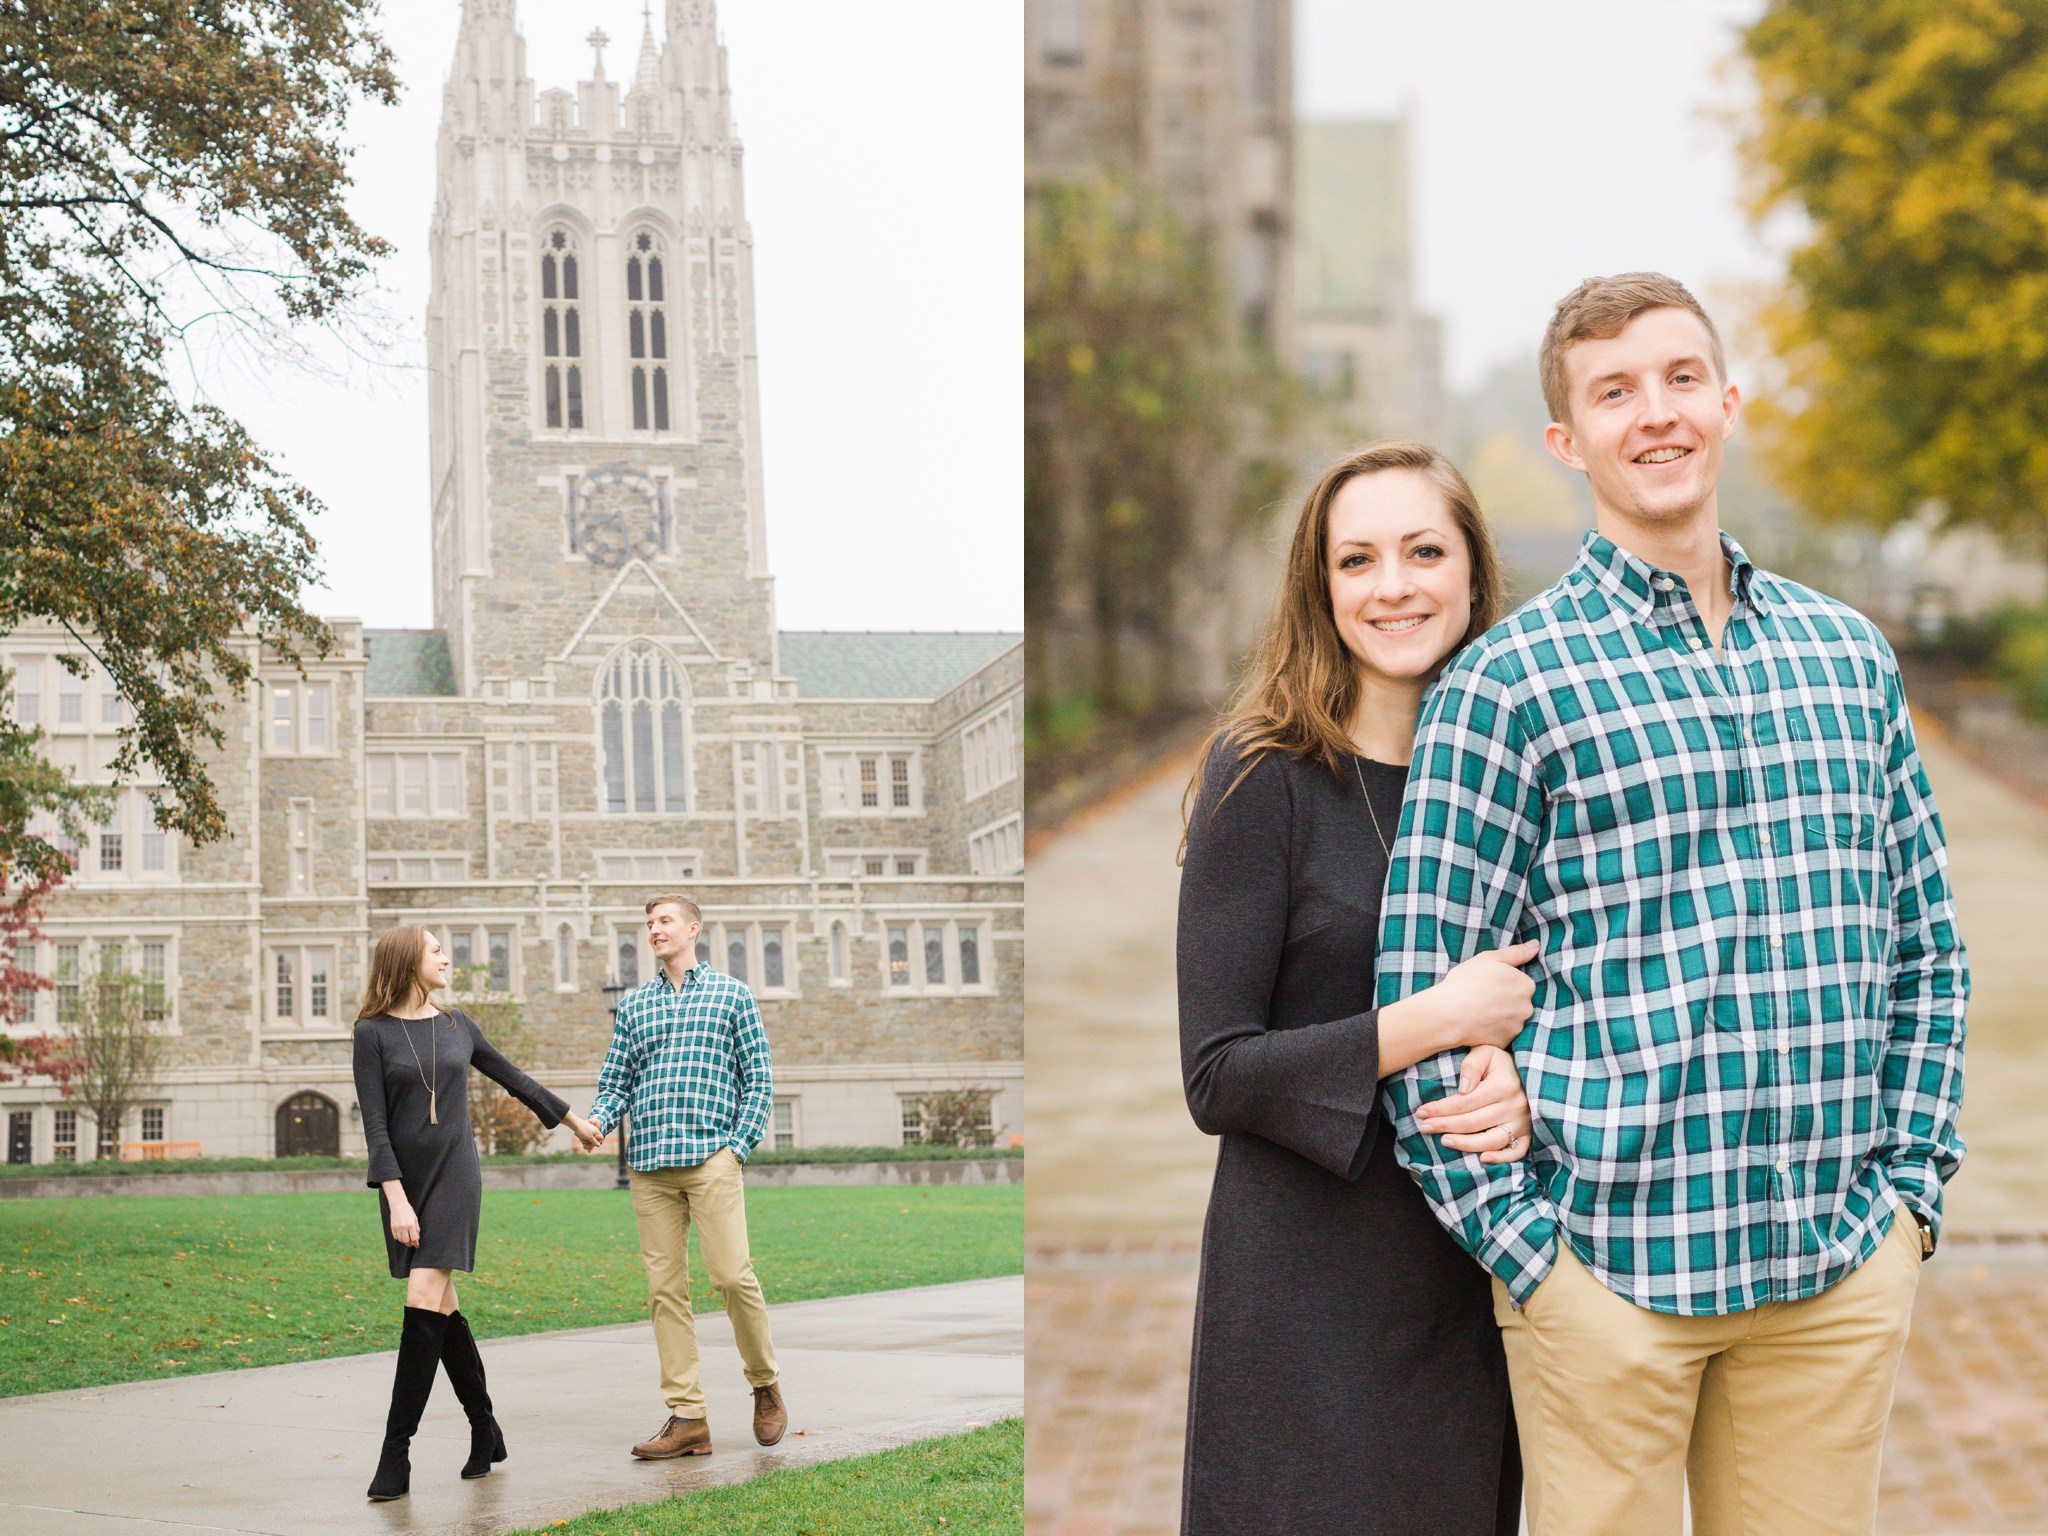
<point x="1119" y="1179"/>
<point x="289" y="1449"/>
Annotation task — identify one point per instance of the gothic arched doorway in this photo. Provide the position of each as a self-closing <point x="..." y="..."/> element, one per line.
<point x="308" y="1125"/>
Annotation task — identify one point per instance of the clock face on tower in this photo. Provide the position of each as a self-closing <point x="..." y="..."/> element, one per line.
<point x="617" y="513"/>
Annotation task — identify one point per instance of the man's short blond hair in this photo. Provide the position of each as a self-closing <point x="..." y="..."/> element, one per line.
<point x="1598" y="309"/>
<point x="691" y="911"/>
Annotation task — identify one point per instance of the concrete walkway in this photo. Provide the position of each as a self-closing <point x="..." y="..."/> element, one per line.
<point x="287" y="1450"/>
<point x="1120" y="1179"/>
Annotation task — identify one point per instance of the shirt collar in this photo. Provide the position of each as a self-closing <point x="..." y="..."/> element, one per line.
<point x="690" y="977"/>
<point x="1641" y="588"/>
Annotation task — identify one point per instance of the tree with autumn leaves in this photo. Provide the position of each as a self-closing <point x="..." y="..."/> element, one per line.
<point x="1908" y="139"/>
<point x="172" y="173"/>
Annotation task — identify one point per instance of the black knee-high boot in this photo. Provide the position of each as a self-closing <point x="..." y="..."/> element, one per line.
<point x="419" y="1361"/>
<point x="465" y="1365"/>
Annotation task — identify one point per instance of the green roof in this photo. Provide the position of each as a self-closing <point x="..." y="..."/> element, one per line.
<point x="407" y="663"/>
<point x="886" y="664"/>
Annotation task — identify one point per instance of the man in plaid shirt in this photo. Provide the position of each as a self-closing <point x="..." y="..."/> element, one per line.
<point x="1696" y="784"/>
<point x="689" y="1059"/>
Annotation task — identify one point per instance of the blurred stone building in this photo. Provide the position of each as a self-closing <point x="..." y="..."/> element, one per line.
<point x="603" y="710"/>
<point x="1193" y="100"/>
<point x="1364" y="347"/>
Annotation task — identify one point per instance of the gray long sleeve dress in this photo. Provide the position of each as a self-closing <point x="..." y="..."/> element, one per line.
<point x="1348" y="1377"/>
<point x="437" y="1163"/>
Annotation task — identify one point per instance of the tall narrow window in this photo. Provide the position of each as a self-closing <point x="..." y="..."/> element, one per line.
<point x="153" y="982"/>
<point x="839" y="952"/>
<point x="647" y="332"/>
<point x="771" y="957"/>
<point x="319" y="969"/>
<point x="629" y="958"/>
<point x="643" y="733"/>
<point x="67" y="984"/>
<point x="736" y="954"/>
<point x="561" y="332"/>
<point x="565" y="957"/>
<point x="287" y="999"/>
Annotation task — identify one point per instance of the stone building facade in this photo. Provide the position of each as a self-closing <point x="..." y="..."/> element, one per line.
<point x="1194" y="101"/>
<point x="604" y="709"/>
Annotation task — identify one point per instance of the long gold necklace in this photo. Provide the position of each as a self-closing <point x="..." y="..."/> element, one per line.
<point x="1375" y="815"/>
<point x="434" y="1049"/>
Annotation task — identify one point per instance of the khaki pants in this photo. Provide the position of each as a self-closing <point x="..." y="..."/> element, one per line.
<point x="1777" y="1415"/>
<point x="664" y="1203"/>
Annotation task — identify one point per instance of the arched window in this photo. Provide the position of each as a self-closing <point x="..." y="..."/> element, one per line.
<point x="647" y="331"/>
<point x="839" y="951"/>
<point x="640" y="719"/>
<point x="628" y="953"/>
<point x="561" y="331"/>
<point x="565" y="957"/>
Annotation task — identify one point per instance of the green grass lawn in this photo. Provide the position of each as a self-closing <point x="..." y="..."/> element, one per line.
<point x="760" y="1157"/>
<point x="124" y="1289"/>
<point x="971" y="1483"/>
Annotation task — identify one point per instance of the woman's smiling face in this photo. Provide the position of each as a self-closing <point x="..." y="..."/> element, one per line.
<point x="434" y="964"/>
<point x="1400" y="573"/>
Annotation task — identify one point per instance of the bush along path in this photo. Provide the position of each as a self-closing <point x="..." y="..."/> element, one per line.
<point x="109" y="1290"/>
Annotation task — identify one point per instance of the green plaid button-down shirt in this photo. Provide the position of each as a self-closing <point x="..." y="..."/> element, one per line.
<point x="692" y="1065"/>
<point x="1747" y="1045"/>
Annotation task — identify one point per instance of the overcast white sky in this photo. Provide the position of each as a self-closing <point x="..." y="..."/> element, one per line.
<point x="1551" y="142"/>
<point x="884" y="154"/>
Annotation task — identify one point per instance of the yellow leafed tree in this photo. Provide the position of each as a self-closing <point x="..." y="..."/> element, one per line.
<point x="1908" y="141"/>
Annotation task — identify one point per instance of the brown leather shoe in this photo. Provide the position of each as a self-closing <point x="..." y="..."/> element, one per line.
<point x="770" y="1417"/>
<point x="678" y="1437"/>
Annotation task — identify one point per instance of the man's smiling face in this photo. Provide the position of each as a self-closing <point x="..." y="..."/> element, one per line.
<point x="1649" y="415"/>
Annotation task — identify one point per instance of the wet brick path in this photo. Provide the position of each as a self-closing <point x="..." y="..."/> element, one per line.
<point x="1119" y="1178"/>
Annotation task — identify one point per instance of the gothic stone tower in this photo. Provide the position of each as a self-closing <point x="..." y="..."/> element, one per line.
<point x="595" y="418"/>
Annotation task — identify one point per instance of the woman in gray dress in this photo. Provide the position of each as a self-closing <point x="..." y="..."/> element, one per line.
<point x="412" y="1064"/>
<point x="1348" y="1378"/>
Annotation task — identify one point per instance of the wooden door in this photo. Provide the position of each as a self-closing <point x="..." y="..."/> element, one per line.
<point x="308" y="1125"/>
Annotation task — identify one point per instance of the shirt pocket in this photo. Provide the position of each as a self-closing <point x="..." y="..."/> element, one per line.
<point x="1835" y="775"/>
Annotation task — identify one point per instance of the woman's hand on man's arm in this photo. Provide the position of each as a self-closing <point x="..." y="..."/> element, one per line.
<point x="1483" y="1001"/>
<point x="1489" y="1114"/>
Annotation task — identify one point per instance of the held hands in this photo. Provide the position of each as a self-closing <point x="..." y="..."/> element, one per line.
<point x="1488" y="999"/>
<point x="1489" y="1114"/>
<point x="588" y="1137"/>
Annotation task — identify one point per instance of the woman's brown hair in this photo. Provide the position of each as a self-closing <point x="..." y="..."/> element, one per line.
<point x="394" y="972"/>
<point x="1301" y="687"/>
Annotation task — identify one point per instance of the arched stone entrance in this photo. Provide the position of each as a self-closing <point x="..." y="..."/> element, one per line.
<point x="309" y="1125"/>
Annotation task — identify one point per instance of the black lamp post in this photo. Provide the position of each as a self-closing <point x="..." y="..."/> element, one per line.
<point x="614" y="994"/>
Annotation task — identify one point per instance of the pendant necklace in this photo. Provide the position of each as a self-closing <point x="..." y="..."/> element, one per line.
<point x="1375" y="815"/>
<point x="434" y="1046"/>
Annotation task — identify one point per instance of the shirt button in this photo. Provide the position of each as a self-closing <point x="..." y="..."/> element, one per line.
<point x="1665" y="583"/>
<point x="1782" y="1165"/>
<point x="1745" y="731"/>
<point x="1777" y="941"/>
